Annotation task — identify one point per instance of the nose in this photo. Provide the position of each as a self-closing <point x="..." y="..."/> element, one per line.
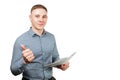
<point x="40" y="19"/>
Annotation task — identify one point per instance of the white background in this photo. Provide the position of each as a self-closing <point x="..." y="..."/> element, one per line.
<point x="89" y="27"/>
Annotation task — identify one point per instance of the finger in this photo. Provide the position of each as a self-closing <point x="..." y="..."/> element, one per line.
<point x="23" y="47"/>
<point x="30" y="58"/>
<point x="63" y="65"/>
<point x="66" y="64"/>
<point x="27" y="52"/>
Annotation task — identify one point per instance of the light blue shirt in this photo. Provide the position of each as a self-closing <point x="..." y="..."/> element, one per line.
<point x="45" y="52"/>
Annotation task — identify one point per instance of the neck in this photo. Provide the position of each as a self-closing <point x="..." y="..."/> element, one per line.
<point x="38" y="31"/>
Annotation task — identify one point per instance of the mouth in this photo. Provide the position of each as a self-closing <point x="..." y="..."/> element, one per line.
<point x="40" y="24"/>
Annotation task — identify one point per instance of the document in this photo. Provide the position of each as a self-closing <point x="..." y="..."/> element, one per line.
<point x="61" y="61"/>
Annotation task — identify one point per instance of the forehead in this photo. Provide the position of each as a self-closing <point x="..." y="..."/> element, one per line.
<point x="39" y="11"/>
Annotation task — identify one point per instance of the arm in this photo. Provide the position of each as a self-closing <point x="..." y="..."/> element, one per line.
<point x="21" y="56"/>
<point x="56" y="57"/>
<point x="17" y="60"/>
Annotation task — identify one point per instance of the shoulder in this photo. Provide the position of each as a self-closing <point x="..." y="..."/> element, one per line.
<point x="22" y="37"/>
<point x="49" y="34"/>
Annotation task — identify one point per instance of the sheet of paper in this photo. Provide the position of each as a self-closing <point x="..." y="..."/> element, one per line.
<point x="61" y="61"/>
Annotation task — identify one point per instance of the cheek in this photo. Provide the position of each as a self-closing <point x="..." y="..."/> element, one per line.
<point x="34" y="21"/>
<point x="33" y="18"/>
<point x="45" y="21"/>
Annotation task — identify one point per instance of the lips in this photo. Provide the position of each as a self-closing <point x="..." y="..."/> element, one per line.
<point x="41" y="24"/>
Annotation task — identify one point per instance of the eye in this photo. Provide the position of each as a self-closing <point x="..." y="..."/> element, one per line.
<point x="45" y="16"/>
<point x="37" y="16"/>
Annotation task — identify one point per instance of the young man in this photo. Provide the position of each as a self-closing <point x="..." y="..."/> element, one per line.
<point x="35" y="48"/>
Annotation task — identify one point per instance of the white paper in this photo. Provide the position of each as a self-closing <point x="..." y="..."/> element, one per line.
<point x="61" y="61"/>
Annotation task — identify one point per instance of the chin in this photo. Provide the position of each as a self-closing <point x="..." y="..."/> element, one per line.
<point x="40" y="28"/>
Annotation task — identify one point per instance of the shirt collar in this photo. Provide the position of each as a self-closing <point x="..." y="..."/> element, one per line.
<point x="32" y="33"/>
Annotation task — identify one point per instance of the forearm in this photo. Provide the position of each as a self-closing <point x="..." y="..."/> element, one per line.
<point x="17" y="67"/>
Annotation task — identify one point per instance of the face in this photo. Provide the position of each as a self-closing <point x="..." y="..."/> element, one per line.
<point x="38" y="19"/>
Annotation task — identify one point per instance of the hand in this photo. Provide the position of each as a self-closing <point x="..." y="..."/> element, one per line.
<point x="63" y="66"/>
<point x="27" y="54"/>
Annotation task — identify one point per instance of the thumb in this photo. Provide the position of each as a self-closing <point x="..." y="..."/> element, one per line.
<point x="23" y="47"/>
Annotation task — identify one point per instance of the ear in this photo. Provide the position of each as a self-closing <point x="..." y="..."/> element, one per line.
<point x="30" y="17"/>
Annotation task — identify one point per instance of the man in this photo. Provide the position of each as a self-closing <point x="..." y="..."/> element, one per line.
<point x="36" y="48"/>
